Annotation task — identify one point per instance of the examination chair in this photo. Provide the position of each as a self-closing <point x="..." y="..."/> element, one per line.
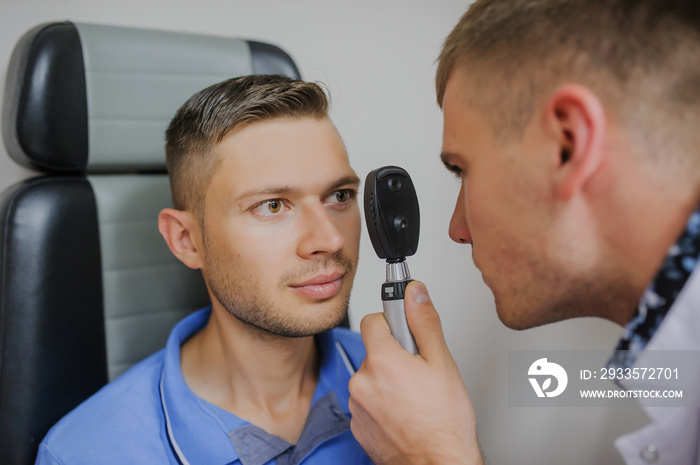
<point x="87" y="285"/>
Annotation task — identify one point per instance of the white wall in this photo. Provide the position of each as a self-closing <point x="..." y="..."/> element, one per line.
<point x="377" y="57"/>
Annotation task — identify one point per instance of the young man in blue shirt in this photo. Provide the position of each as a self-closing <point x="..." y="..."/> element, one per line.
<point x="265" y="206"/>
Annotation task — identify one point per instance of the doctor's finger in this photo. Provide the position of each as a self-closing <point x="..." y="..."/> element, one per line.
<point x="424" y="322"/>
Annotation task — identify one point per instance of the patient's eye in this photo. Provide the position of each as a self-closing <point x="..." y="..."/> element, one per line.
<point x="341" y="196"/>
<point x="268" y="208"/>
<point x="274" y="206"/>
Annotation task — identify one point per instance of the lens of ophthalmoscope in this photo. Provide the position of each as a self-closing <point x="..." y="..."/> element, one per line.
<point x="394" y="184"/>
<point x="400" y="223"/>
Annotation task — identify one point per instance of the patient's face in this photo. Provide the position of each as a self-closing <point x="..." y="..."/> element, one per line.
<point x="282" y="226"/>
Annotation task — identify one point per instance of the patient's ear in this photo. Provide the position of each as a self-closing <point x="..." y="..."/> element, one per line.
<point x="181" y="232"/>
<point x="576" y="117"/>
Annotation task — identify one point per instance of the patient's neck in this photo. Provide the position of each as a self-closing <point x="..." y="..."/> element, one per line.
<point x="265" y="379"/>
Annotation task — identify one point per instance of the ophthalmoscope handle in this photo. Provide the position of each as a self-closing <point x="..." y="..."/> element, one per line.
<point x="395" y="313"/>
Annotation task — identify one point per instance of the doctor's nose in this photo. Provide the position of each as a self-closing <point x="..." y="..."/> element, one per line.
<point x="459" y="229"/>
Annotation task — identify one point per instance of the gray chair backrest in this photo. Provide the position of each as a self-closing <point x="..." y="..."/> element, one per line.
<point x="87" y="285"/>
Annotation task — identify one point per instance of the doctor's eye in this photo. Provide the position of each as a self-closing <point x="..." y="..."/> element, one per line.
<point x="454" y="169"/>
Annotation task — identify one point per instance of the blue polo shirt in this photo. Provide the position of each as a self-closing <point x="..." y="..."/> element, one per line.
<point x="150" y="416"/>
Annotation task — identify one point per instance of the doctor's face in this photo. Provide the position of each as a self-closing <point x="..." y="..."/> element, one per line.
<point x="505" y="211"/>
<point x="281" y="226"/>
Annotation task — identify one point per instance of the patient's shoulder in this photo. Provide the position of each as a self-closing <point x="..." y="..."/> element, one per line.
<point x="125" y="411"/>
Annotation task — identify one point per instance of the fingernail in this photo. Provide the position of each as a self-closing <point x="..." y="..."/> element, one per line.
<point x="419" y="294"/>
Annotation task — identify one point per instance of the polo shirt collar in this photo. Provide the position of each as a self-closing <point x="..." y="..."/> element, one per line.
<point x="207" y="434"/>
<point x="257" y="447"/>
<point x="195" y="432"/>
<point x="335" y="370"/>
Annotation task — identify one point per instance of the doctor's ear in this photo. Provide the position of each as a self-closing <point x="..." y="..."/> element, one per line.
<point x="181" y="231"/>
<point x="576" y="118"/>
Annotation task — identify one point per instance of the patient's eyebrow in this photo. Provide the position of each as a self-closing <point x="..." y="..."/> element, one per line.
<point x="269" y="190"/>
<point x="344" y="181"/>
<point x="284" y="190"/>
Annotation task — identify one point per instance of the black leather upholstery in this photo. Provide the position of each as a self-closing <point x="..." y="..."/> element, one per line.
<point x="269" y="59"/>
<point x="52" y="350"/>
<point x="45" y="96"/>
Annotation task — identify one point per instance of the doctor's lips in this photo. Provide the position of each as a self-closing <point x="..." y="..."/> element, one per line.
<point x="322" y="286"/>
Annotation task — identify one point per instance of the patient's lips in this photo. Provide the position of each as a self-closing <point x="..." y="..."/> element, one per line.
<point x="322" y="286"/>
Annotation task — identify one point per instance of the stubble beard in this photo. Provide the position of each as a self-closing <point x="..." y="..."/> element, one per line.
<point x="251" y="305"/>
<point x="553" y="295"/>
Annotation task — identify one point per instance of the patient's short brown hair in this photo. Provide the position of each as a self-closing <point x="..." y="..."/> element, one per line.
<point x="209" y="115"/>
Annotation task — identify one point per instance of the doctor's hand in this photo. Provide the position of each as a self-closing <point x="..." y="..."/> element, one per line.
<point x="412" y="409"/>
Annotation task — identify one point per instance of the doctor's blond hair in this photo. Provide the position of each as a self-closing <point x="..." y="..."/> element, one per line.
<point x="640" y="56"/>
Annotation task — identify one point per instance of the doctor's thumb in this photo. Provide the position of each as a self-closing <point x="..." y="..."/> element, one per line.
<point x="424" y="321"/>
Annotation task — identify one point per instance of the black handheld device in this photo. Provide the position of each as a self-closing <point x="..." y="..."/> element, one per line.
<point x="393" y="221"/>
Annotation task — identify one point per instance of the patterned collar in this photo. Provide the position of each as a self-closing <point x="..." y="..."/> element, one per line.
<point x="660" y="295"/>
